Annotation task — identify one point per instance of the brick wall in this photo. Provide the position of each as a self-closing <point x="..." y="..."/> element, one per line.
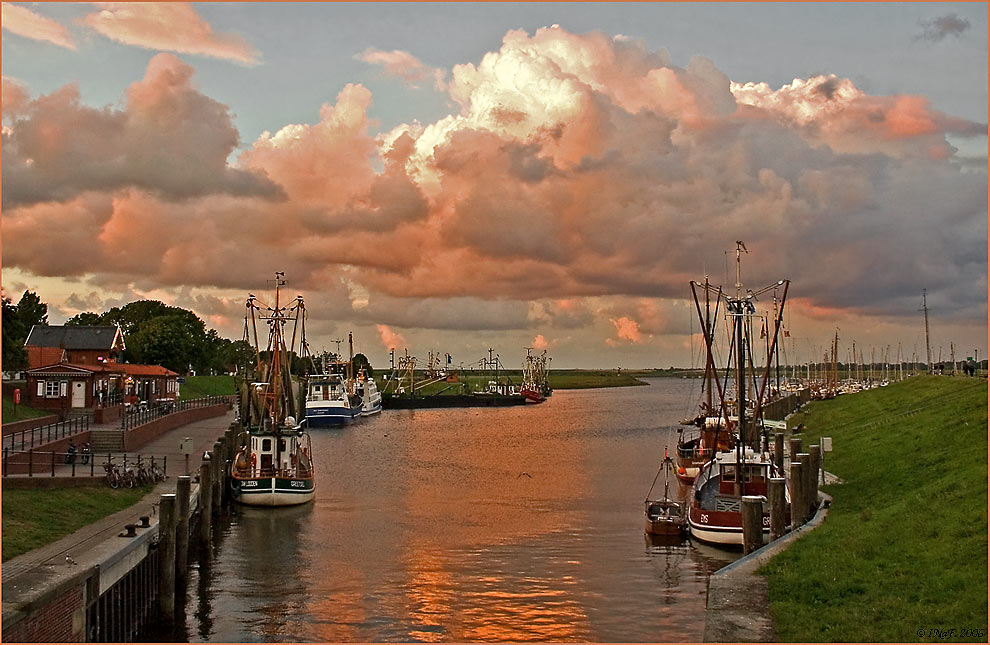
<point x="108" y="414"/>
<point x="27" y="424"/>
<point x="41" y="465"/>
<point x="59" y="620"/>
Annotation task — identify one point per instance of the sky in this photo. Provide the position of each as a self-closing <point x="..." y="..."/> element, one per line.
<point x="454" y="177"/>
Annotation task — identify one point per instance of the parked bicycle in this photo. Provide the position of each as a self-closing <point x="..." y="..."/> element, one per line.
<point x="112" y="473"/>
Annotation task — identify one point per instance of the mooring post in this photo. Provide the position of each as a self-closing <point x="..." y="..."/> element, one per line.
<point x="778" y="506"/>
<point x="752" y="522"/>
<point x="217" y="462"/>
<point x="795" y="446"/>
<point x="806" y="485"/>
<point x="778" y="452"/>
<point x="798" y="507"/>
<point x="815" y="451"/>
<point x="205" y="502"/>
<point x="183" y="487"/>
<point x="166" y="558"/>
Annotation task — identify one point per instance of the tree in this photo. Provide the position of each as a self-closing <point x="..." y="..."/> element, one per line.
<point x="173" y="341"/>
<point x="361" y="362"/>
<point x="14" y="335"/>
<point x="31" y="311"/>
<point x="84" y="319"/>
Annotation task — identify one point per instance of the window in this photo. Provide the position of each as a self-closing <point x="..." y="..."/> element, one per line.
<point x="41" y="388"/>
<point x="51" y="389"/>
<point x="266" y="445"/>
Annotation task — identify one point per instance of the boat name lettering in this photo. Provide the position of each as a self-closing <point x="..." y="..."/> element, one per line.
<point x="704" y="518"/>
<point x="249" y="483"/>
<point x="296" y="484"/>
<point x="766" y="520"/>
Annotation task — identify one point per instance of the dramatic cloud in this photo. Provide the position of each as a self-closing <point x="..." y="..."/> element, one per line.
<point x="942" y="27"/>
<point x="583" y="181"/>
<point x="169" y="139"/>
<point x="540" y="342"/>
<point x="24" y="22"/>
<point x="390" y="339"/>
<point x="167" y="26"/>
<point x="403" y="65"/>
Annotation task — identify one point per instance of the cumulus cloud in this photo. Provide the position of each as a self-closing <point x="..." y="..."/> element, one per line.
<point x="583" y="181"/>
<point x="24" y="22"/>
<point x="403" y="65"/>
<point x="941" y="27"/>
<point x="390" y="339"/>
<point x="169" y="139"/>
<point x="167" y="26"/>
<point x="540" y="342"/>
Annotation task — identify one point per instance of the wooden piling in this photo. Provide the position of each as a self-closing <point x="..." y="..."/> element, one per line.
<point x="778" y="452"/>
<point x="205" y="502"/>
<point x="217" y="463"/>
<point x="798" y="507"/>
<point x="166" y="558"/>
<point x="807" y="484"/>
<point x="778" y="507"/>
<point x="752" y="522"/>
<point x="795" y="447"/>
<point x="815" y="451"/>
<point x="183" y="487"/>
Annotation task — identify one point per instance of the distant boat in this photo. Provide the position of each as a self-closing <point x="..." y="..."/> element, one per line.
<point x="371" y="398"/>
<point x="535" y="387"/>
<point x="328" y="402"/>
<point x="274" y="465"/>
<point x="664" y="516"/>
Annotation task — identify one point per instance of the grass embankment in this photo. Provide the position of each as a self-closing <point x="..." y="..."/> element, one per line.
<point x="904" y="548"/>
<point x="583" y="379"/>
<point x="197" y="387"/>
<point x="33" y="518"/>
<point x="19" y="412"/>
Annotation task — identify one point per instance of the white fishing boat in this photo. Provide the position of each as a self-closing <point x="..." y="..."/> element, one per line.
<point x="274" y="465"/>
<point x="371" y="398"/>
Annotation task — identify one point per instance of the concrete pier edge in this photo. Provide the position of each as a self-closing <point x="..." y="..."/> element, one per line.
<point x="738" y="608"/>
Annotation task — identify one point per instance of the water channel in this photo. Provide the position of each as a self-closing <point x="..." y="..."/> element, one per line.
<point x="521" y="524"/>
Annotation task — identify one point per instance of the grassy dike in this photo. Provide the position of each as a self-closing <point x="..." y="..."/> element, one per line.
<point x="903" y="551"/>
<point x="197" y="387"/>
<point x="35" y="517"/>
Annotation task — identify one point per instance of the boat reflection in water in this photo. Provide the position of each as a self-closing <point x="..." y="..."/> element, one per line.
<point x="519" y="523"/>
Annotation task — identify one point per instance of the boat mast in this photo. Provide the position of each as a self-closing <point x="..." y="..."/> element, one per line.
<point x="736" y="310"/>
<point x="708" y="349"/>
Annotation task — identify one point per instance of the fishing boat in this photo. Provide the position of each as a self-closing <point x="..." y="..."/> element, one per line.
<point x="535" y="387"/>
<point x="712" y="426"/>
<point x="715" y="502"/>
<point x="332" y="397"/>
<point x="664" y="516"/>
<point x="274" y="465"/>
<point x="371" y="398"/>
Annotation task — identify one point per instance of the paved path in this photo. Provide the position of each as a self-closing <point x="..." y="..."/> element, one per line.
<point x="203" y="434"/>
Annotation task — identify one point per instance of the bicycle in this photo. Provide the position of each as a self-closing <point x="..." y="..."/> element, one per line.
<point x="156" y="471"/>
<point x="113" y="476"/>
<point x="128" y="476"/>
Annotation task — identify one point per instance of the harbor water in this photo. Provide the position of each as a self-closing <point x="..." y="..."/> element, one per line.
<point x="493" y="524"/>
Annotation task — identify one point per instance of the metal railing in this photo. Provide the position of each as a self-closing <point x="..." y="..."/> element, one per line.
<point x="136" y="415"/>
<point x="25" y="439"/>
<point x="66" y="464"/>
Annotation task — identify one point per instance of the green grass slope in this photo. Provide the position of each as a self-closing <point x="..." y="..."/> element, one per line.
<point x="903" y="550"/>
<point x="197" y="387"/>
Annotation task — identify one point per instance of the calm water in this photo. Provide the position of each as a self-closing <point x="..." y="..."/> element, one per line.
<point x="426" y="528"/>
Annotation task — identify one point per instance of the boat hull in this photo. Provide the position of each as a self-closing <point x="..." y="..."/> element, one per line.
<point x="666" y="527"/>
<point x="372" y="410"/>
<point x="273" y="491"/>
<point x="723" y="528"/>
<point x="326" y="416"/>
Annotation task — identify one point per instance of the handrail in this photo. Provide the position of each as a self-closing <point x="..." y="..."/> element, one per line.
<point x="56" y="463"/>
<point x="45" y="434"/>
<point x="157" y="410"/>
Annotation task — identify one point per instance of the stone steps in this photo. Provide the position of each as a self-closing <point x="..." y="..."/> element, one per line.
<point x="104" y="441"/>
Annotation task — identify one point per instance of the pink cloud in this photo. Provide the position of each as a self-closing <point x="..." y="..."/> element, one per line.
<point x="403" y="65"/>
<point x="168" y="26"/>
<point x="540" y="342"/>
<point x="169" y="139"/>
<point x="627" y="329"/>
<point x="24" y="22"/>
<point x="389" y="338"/>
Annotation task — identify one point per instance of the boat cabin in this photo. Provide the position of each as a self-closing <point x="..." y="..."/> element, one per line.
<point x="326" y="388"/>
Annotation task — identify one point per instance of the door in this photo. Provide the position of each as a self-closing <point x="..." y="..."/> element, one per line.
<point x="79" y="394"/>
